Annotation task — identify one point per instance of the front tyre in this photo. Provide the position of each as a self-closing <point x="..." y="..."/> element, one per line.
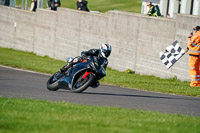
<point x="51" y="84"/>
<point x="82" y="84"/>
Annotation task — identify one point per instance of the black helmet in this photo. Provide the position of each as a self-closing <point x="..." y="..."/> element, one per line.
<point x="105" y="50"/>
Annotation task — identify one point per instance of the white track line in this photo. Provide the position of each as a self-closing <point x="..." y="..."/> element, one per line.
<point x="19" y="69"/>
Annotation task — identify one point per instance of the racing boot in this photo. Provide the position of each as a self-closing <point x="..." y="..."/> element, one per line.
<point x="95" y="84"/>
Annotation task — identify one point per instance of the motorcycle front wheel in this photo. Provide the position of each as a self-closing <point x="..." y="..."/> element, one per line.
<point x="51" y="84"/>
<point x="81" y="84"/>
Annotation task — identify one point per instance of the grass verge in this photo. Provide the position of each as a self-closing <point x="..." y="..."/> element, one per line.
<point x="31" y="61"/>
<point x="101" y="5"/>
<point x="22" y="116"/>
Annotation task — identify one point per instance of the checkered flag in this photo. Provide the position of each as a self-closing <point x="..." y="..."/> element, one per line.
<point x="172" y="54"/>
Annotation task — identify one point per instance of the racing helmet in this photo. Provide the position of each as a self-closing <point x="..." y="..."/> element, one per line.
<point x="105" y="50"/>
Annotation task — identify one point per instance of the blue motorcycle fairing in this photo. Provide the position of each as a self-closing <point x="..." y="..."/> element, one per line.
<point x="67" y="80"/>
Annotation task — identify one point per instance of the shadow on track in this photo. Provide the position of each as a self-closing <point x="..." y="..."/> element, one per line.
<point x="128" y="95"/>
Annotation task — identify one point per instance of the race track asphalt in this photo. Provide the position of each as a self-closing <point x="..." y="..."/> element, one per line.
<point x="26" y="84"/>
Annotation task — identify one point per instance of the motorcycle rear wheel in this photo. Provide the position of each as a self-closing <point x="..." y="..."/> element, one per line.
<point x="52" y="85"/>
<point x="78" y="89"/>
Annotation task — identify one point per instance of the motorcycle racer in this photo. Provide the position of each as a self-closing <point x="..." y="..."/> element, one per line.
<point x="102" y="54"/>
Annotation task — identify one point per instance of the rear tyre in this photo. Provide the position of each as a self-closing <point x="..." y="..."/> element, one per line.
<point x="52" y="85"/>
<point x="81" y="84"/>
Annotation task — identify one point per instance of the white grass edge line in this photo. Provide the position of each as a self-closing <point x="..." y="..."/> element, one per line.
<point x="19" y="69"/>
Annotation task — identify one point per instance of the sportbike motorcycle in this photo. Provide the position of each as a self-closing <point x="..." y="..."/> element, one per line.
<point x="79" y="77"/>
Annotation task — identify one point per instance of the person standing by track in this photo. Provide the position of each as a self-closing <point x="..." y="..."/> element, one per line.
<point x="194" y="60"/>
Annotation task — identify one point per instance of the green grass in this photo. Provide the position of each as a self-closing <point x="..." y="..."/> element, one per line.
<point x="32" y="116"/>
<point x="29" y="61"/>
<point x="45" y="64"/>
<point x="150" y="83"/>
<point x="102" y="5"/>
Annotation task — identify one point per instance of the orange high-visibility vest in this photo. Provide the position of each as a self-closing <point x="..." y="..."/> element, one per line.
<point x="194" y="44"/>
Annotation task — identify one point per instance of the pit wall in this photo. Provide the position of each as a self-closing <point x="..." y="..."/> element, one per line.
<point x="136" y="40"/>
